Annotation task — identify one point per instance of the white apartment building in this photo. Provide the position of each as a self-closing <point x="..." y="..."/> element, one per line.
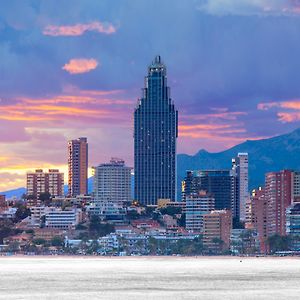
<point x="112" y="184"/>
<point x="197" y="205"/>
<point x="63" y="219"/>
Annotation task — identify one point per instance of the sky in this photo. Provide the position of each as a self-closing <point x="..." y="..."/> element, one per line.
<point x="76" y="68"/>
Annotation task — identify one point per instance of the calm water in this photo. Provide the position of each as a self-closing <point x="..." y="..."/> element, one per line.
<point x="149" y="278"/>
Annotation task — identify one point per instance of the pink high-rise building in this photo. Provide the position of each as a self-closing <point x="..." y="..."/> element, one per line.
<point x="278" y="193"/>
<point x="78" y="166"/>
<point x="258" y="216"/>
<point x="41" y="182"/>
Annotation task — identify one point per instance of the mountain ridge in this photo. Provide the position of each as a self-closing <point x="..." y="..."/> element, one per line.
<point x="265" y="155"/>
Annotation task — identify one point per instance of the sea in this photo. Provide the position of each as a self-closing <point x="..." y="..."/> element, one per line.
<point x="157" y="278"/>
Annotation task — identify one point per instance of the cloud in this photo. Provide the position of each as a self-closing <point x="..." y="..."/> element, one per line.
<point x="250" y="7"/>
<point x="267" y="106"/>
<point x="291" y="111"/>
<point x="79" y="29"/>
<point x="288" y="117"/>
<point x="92" y="105"/>
<point x="10" y="180"/>
<point x="80" y="65"/>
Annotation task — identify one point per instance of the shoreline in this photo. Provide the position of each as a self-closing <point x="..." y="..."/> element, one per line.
<point x="90" y="257"/>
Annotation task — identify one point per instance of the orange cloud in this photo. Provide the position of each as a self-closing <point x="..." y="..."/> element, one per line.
<point x="79" y="29"/>
<point x="288" y="117"/>
<point x="80" y="65"/>
<point x="86" y="104"/>
<point x="292" y="107"/>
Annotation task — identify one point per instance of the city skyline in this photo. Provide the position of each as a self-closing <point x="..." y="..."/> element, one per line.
<point x="65" y="74"/>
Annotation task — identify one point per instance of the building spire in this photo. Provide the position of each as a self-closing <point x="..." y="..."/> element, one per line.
<point x="157" y="59"/>
<point x="157" y="62"/>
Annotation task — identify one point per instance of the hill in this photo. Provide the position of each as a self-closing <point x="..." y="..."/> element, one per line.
<point x="265" y="155"/>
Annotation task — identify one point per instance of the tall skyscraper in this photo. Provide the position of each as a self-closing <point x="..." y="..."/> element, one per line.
<point x="240" y="168"/>
<point x="155" y="134"/>
<point x="78" y="166"/>
<point x="278" y="193"/>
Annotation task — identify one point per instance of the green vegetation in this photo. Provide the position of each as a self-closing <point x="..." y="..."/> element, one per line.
<point x="98" y="229"/>
<point x="171" y="247"/>
<point x="170" y="210"/>
<point x="45" y="198"/>
<point x="132" y="215"/>
<point x="22" y="212"/>
<point x="39" y="241"/>
<point x="57" y="241"/>
<point x="277" y="242"/>
<point x="6" y="229"/>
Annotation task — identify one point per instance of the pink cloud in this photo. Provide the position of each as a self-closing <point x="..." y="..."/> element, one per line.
<point x="290" y="109"/>
<point x="267" y="106"/>
<point x="79" y="29"/>
<point x="80" y="65"/>
<point x="288" y="117"/>
<point x="93" y="105"/>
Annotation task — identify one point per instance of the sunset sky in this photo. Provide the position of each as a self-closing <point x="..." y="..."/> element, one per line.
<point x="76" y="68"/>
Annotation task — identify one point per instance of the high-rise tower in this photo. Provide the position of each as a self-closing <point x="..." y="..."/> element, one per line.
<point x="78" y="166"/>
<point x="240" y="168"/>
<point x="155" y="134"/>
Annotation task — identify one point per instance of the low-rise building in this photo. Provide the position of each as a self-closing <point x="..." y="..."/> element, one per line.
<point x="170" y="222"/>
<point x="3" y="201"/>
<point x="47" y="233"/>
<point x="8" y="213"/>
<point x="63" y="219"/>
<point x="37" y="212"/>
<point x="244" y="241"/>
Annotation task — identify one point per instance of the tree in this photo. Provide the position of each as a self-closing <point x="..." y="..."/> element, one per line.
<point x="132" y="215"/>
<point x="93" y="247"/>
<point x="57" y="241"/>
<point x="30" y="197"/>
<point x="45" y="198"/>
<point x="39" y="241"/>
<point x="277" y="242"/>
<point x="81" y="227"/>
<point x="181" y="221"/>
<point x="22" y="213"/>
<point x="237" y="224"/>
<point x="6" y="229"/>
<point x="219" y="243"/>
<point x="170" y="210"/>
<point x="97" y="228"/>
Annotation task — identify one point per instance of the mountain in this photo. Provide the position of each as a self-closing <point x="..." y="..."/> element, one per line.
<point x="266" y="155"/>
<point x="14" y="193"/>
<point x="90" y="186"/>
<point x="272" y="154"/>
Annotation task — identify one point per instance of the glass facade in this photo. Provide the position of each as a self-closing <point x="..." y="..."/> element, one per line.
<point x="220" y="183"/>
<point x="155" y="134"/>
